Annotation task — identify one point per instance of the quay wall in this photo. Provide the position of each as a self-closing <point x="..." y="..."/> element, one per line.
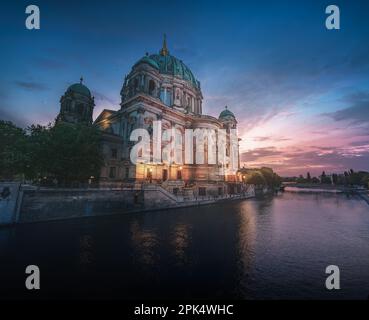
<point x="52" y="204"/>
<point x="44" y="204"/>
<point x="9" y="202"/>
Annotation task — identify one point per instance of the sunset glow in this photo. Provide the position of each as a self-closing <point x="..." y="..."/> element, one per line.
<point x="301" y="98"/>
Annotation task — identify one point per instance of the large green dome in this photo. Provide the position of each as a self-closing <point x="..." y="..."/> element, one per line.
<point x="149" y="61"/>
<point x="168" y="64"/>
<point x="80" y="88"/>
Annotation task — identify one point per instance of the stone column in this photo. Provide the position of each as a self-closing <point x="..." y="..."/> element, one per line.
<point x="140" y="117"/>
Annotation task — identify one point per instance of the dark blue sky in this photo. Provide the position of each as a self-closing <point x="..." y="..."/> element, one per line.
<point x="292" y="83"/>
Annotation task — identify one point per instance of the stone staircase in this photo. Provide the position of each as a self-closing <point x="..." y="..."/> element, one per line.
<point x="172" y="185"/>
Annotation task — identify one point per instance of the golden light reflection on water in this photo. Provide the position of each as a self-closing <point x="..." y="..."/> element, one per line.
<point x="144" y="243"/>
<point x="247" y="233"/>
<point x="181" y="243"/>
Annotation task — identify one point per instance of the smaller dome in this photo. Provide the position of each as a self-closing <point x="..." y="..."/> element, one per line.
<point x="80" y="88"/>
<point x="226" y="113"/>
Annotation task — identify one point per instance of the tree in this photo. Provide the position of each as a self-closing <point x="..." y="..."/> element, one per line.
<point x="38" y="154"/>
<point x="256" y="178"/>
<point x="69" y="153"/>
<point x="277" y="180"/>
<point x="365" y="180"/>
<point x="315" y="180"/>
<point x="335" y="178"/>
<point x="308" y="177"/>
<point x="324" y="179"/>
<point x="261" y="177"/>
<point x="358" y="178"/>
<point x="301" y="179"/>
<point x="13" y="157"/>
<point x="268" y="175"/>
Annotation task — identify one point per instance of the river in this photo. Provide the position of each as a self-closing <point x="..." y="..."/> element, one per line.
<point x="270" y="248"/>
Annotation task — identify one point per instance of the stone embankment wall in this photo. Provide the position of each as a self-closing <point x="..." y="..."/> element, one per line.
<point x="30" y="204"/>
<point x="51" y="204"/>
<point x="9" y="201"/>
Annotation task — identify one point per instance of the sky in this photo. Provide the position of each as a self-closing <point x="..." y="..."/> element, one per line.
<point x="300" y="92"/>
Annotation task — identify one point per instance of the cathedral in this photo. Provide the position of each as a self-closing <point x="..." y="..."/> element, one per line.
<point x="159" y="87"/>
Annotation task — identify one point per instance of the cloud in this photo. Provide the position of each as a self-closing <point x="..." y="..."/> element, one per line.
<point x="273" y="87"/>
<point x="356" y="113"/>
<point x="295" y="161"/>
<point x="31" y="86"/>
<point x="270" y="138"/>
<point x="101" y="97"/>
<point x="259" y="153"/>
<point x="261" y="139"/>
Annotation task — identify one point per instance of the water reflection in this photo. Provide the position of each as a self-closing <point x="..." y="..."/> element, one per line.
<point x="247" y="232"/>
<point x="144" y="243"/>
<point x="86" y="249"/>
<point x="180" y="243"/>
<point x="271" y="248"/>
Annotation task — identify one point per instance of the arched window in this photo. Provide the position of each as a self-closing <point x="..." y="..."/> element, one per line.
<point x="166" y="96"/>
<point x="151" y="87"/>
<point x="80" y="108"/>
<point x="135" y="85"/>
<point x="68" y="106"/>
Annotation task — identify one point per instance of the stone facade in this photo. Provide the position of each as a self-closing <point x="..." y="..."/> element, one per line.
<point x="76" y="105"/>
<point x="159" y="87"/>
